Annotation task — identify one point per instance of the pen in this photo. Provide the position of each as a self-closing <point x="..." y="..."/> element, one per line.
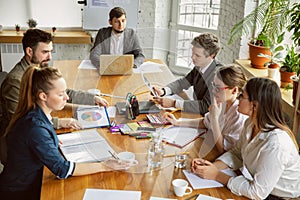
<point x="112" y="96"/>
<point x="191" y="197"/>
<point x="105" y="109"/>
<point x="113" y="155"/>
<point x="172" y="155"/>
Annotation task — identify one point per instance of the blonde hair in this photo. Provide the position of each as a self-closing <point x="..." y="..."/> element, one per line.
<point x="34" y="81"/>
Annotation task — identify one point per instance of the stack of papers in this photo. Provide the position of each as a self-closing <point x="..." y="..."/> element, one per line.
<point x="84" y="146"/>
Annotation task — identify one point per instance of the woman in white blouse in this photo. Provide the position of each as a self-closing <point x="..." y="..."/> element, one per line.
<point x="223" y="121"/>
<point x="267" y="152"/>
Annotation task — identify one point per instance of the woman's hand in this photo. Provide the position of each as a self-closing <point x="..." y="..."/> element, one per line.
<point x="215" y="109"/>
<point x="117" y="164"/>
<point x="69" y="123"/>
<point x="204" y="169"/>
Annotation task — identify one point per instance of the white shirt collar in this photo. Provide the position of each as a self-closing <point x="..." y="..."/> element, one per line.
<point x="206" y="67"/>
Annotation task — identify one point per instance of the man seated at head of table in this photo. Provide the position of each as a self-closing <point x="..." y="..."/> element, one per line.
<point x="205" y="48"/>
<point x="267" y="153"/>
<point x="116" y="39"/>
<point x="37" y="46"/>
<point x="224" y="123"/>
<point x="32" y="141"/>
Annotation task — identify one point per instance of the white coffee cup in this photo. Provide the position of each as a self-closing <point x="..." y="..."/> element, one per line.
<point x="180" y="186"/>
<point x="128" y="157"/>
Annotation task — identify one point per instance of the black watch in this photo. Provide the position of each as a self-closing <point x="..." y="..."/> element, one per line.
<point x="164" y="92"/>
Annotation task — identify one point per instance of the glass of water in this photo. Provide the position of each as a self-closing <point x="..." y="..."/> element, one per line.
<point x="155" y="151"/>
<point x="180" y="160"/>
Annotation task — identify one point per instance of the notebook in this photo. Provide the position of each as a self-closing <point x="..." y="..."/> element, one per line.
<point x="116" y="64"/>
<point x="144" y="107"/>
<point x="181" y="136"/>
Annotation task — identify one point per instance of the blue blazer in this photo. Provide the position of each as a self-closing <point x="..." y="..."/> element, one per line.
<point x="32" y="144"/>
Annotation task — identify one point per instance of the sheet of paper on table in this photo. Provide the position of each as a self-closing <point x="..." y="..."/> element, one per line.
<point x="205" y="197"/>
<point x="96" y="194"/>
<point x="148" y="67"/>
<point x="160" y="198"/>
<point x="200" y="183"/>
<point x="86" y="64"/>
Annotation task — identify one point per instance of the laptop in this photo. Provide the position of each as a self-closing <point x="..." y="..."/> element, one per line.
<point x="116" y="64"/>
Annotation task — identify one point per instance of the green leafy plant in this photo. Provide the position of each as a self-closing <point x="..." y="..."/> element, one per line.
<point x="270" y="18"/>
<point x="295" y="23"/>
<point x="276" y="49"/>
<point x="291" y="62"/>
<point x="32" y="23"/>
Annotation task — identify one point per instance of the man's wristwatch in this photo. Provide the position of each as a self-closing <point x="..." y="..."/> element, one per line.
<point x="164" y="92"/>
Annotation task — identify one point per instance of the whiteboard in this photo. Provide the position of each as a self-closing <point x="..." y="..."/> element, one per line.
<point x="96" y="13"/>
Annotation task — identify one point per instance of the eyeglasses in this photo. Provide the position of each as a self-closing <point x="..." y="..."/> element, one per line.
<point x="217" y="88"/>
<point x="241" y="96"/>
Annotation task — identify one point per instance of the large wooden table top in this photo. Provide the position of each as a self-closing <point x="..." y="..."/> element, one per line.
<point x="155" y="182"/>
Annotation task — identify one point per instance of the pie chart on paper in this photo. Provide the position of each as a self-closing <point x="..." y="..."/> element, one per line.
<point x="91" y="116"/>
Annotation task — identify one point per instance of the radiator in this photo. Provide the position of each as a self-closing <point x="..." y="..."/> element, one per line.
<point x="10" y="54"/>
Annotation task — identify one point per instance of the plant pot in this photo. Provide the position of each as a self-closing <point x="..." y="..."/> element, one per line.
<point x="285" y="77"/>
<point x="295" y="80"/>
<point x="258" y="62"/>
<point x="273" y="73"/>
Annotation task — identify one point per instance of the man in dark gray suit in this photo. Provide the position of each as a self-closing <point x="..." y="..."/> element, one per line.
<point x="116" y="39"/>
<point x="205" y="47"/>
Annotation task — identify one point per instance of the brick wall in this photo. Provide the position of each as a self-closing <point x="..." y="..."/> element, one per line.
<point x="153" y="32"/>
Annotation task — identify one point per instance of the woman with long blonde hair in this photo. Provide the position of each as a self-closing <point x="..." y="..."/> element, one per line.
<point x="32" y="141"/>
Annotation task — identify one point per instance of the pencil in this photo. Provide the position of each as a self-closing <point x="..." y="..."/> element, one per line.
<point x="172" y="155"/>
<point x="141" y="92"/>
<point x="175" y="110"/>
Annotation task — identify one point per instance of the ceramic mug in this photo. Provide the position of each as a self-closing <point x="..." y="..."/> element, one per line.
<point x="128" y="157"/>
<point x="180" y="187"/>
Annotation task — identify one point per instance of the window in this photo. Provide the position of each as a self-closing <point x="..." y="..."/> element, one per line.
<point x="189" y="19"/>
<point x="66" y="13"/>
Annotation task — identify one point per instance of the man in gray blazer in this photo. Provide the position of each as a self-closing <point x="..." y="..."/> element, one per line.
<point x="205" y="48"/>
<point x="116" y="39"/>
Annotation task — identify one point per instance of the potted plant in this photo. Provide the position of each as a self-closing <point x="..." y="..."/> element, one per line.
<point x="269" y="18"/>
<point x="275" y="57"/>
<point x="17" y="26"/>
<point x="295" y="23"/>
<point x="32" y="23"/>
<point x="291" y="67"/>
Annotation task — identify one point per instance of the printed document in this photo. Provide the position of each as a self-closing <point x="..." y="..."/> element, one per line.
<point x="84" y="146"/>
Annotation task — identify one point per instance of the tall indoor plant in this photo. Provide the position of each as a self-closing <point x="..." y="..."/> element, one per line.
<point x="294" y="25"/>
<point x="269" y="19"/>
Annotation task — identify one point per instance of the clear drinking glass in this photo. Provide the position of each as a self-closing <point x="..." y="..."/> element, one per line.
<point x="180" y="160"/>
<point x="155" y="151"/>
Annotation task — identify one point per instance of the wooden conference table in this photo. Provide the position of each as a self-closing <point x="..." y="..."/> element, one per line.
<point x="151" y="182"/>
